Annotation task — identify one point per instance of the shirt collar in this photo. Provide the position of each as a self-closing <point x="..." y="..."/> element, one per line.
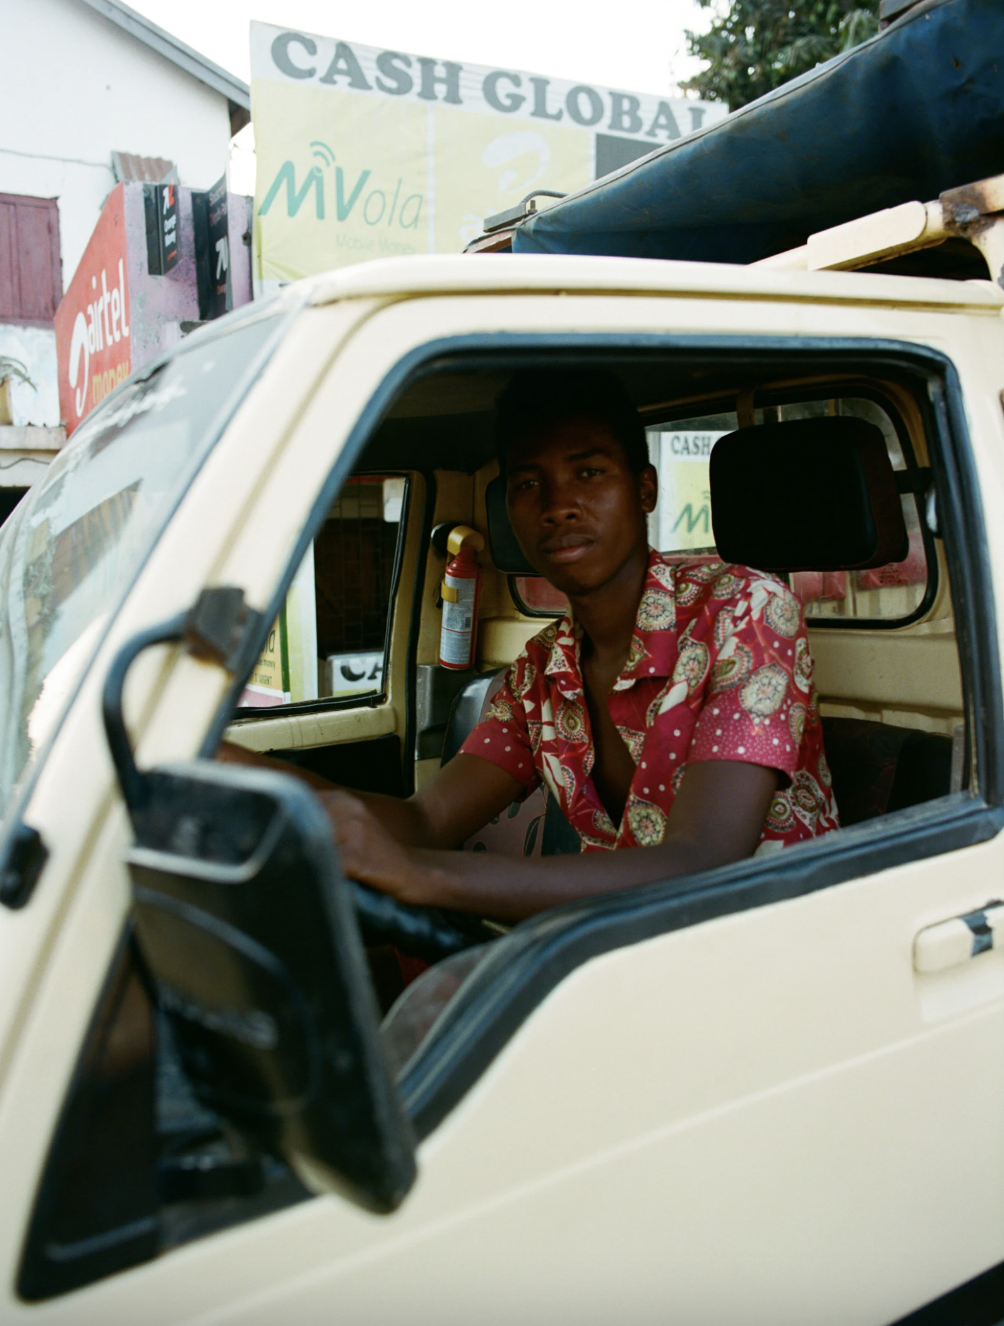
<point x="654" y="649"/>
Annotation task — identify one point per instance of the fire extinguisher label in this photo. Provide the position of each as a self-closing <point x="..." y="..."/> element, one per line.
<point x="458" y="622"/>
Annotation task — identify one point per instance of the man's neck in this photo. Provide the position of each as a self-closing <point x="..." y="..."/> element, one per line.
<point x="607" y="614"/>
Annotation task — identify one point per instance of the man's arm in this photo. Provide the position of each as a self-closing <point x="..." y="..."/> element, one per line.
<point x="458" y="800"/>
<point x="717" y="818"/>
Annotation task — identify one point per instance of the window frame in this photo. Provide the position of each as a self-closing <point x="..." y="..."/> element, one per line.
<point x="21" y="203"/>
<point x="364" y="699"/>
<point x="548" y="615"/>
<point x="780" y="398"/>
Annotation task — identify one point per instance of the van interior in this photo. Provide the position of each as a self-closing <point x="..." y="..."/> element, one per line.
<point x="883" y="637"/>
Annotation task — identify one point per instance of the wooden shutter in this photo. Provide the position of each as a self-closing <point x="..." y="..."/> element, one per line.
<point x="31" y="283"/>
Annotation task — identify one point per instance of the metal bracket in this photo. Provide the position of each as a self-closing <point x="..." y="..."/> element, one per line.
<point x="525" y="207"/>
<point x="219" y="626"/>
<point x="913" y="481"/>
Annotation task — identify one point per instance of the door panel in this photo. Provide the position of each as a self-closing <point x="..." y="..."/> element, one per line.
<point x="766" y="1118"/>
<point x="364" y="766"/>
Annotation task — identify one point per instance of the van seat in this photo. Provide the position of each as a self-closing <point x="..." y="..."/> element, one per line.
<point x="534" y="826"/>
<point x="877" y="768"/>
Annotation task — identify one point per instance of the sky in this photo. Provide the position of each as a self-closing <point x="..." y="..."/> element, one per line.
<point x="637" y="46"/>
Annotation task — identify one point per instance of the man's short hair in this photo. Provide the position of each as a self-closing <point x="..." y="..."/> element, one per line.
<point x="538" y="398"/>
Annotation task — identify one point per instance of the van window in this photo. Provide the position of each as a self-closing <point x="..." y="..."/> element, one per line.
<point x="330" y="640"/>
<point x="681" y="523"/>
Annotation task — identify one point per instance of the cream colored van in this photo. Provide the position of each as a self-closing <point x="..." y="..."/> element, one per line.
<point x="771" y="1094"/>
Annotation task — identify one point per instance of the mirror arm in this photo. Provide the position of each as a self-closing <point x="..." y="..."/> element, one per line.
<point x="220" y="627"/>
<point x="132" y="782"/>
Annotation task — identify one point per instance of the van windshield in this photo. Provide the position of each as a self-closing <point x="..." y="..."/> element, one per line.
<point x="79" y="537"/>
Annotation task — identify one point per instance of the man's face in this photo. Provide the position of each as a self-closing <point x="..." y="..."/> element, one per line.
<point x="576" y="507"/>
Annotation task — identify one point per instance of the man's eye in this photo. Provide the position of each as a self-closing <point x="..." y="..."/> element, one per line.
<point x="521" y="485"/>
<point x="590" y="472"/>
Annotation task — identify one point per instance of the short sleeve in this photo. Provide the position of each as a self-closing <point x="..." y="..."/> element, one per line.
<point x="503" y="737"/>
<point x="759" y="688"/>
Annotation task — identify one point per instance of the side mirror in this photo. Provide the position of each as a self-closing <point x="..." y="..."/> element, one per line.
<point x="248" y="930"/>
<point x="247" y="927"/>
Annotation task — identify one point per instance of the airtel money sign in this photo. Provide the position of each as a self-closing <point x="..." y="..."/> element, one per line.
<point x="93" y="338"/>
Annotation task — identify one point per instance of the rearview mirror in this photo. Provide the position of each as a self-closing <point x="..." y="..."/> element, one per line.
<point x="248" y="930"/>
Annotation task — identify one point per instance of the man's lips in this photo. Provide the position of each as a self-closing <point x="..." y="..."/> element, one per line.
<point x="566" y="547"/>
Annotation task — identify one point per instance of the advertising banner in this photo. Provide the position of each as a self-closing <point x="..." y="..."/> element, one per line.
<point x="683" y="513"/>
<point x="160" y="259"/>
<point x="366" y="153"/>
<point x="93" y="322"/>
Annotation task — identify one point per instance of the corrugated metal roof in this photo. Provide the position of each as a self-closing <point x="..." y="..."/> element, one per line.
<point x="150" y="170"/>
<point x="174" y="50"/>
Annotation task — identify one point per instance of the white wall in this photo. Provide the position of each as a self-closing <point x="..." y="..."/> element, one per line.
<point x="74" y="88"/>
<point x="35" y="347"/>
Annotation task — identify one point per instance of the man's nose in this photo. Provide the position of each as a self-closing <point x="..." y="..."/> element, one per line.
<point x="560" y="504"/>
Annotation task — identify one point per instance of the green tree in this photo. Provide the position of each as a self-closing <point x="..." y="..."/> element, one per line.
<point x="760" y="44"/>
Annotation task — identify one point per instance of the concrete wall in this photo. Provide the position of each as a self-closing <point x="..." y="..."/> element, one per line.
<point x="75" y="87"/>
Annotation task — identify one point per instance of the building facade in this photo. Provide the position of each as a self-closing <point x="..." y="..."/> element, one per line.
<point x="93" y="94"/>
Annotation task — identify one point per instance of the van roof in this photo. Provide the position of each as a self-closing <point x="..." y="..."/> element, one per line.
<point x="491" y="274"/>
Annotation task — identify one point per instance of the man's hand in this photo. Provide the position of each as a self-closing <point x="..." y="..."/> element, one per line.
<point x="369" y="852"/>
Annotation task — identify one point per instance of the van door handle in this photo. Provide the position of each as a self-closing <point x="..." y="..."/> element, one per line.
<point x="950" y="943"/>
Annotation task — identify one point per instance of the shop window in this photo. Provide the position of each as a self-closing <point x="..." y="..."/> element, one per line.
<point x="330" y="640"/>
<point x="31" y="283"/>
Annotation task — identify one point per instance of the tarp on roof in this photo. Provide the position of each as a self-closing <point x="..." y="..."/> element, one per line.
<point x="914" y="111"/>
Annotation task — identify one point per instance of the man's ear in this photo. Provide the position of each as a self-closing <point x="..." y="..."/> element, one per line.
<point x="648" y="488"/>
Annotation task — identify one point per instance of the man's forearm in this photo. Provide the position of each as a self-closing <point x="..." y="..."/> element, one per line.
<point x="509" y="889"/>
<point x="406" y="821"/>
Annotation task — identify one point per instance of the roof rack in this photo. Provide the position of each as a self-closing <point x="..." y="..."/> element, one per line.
<point x="973" y="212"/>
<point x="497" y="234"/>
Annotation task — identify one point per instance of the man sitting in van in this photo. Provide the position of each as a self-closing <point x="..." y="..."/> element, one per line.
<point x="671" y="711"/>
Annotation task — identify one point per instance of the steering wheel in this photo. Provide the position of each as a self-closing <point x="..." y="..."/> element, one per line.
<point x="429" y="933"/>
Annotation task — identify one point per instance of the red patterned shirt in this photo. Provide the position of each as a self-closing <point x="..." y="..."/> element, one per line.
<point x="719" y="669"/>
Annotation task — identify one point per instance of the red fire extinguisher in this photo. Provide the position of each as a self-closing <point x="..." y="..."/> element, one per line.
<point x="461" y="590"/>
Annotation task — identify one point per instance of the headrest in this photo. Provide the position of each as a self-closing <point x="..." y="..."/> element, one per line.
<point x="806" y="495"/>
<point x="506" y="553"/>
